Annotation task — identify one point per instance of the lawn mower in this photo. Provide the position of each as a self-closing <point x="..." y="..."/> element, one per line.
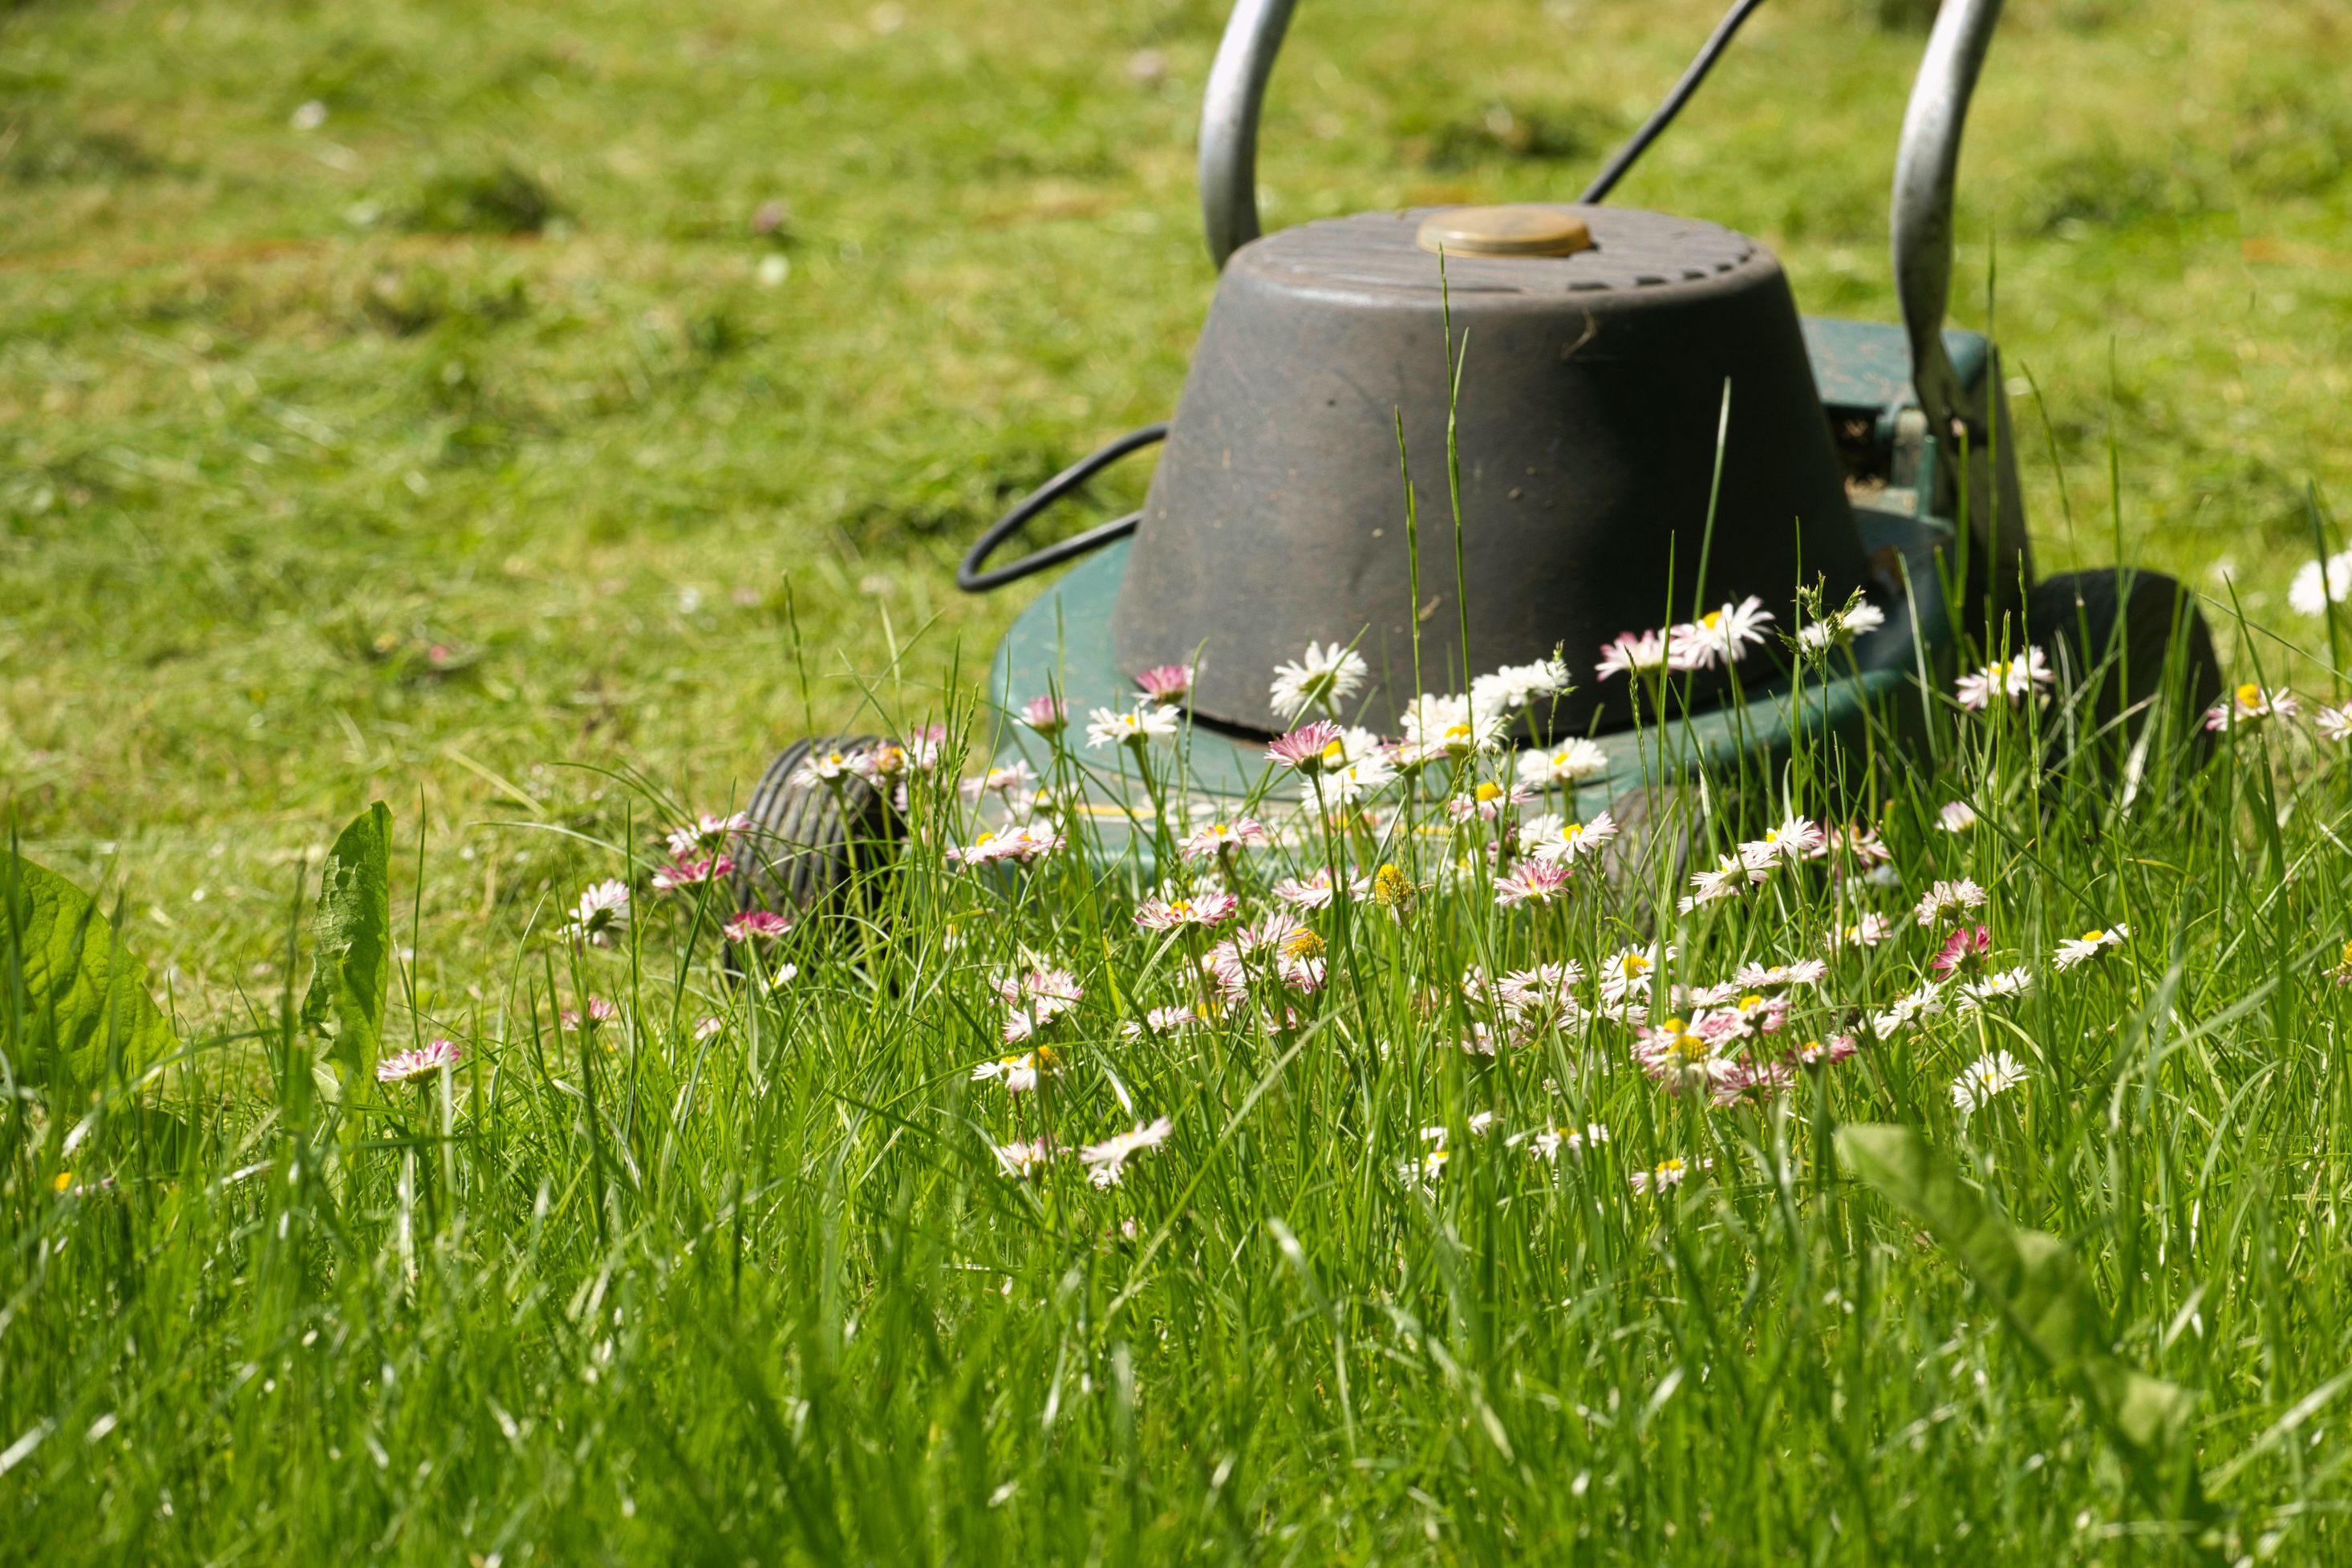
<point x="1644" y="426"/>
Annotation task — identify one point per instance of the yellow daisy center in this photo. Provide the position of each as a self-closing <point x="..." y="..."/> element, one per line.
<point x="2250" y="696"/>
<point x="1489" y="791"/>
<point x="2094" y="936"/>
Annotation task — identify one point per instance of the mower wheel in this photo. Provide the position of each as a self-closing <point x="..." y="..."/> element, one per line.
<point x="2120" y="640"/>
<point x="809" y="841"/>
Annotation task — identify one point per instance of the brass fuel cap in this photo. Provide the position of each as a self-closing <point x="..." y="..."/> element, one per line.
<point x="1519" y="230"/>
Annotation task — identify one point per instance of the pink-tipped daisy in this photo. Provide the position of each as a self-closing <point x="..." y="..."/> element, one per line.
<point x="1106" y="1161"/>
<point x="707" y="834"/>
<point x="1309" y="747"/>
<point x="424" y="1061"/>
<point x="1046" y="715"/>
<point x="1210" y="840"/>
<point x="1535" y="881"/>
<point x="757" y="926"/>
<point x="1166" y="683"/>
<point x="1203" y="910"/>
<point x="1630" y="655"/>
<point x="1965" y="949"/>
<point x="687" y="873"/>
<point x="2248" y="706"/>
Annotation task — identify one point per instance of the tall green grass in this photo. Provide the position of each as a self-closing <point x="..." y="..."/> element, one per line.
<point x="763" y="1290"/>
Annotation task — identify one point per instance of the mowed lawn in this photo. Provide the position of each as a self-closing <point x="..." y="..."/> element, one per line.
<point x="447" y="403"/>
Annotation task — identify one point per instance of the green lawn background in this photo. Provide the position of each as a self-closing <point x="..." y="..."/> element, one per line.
<point x="533" y="408"/>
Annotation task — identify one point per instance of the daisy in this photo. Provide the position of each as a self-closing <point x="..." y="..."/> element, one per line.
<point x="1008" y="782"/>
<point x="1515" y="687"/>
<point x="2249" y="705"/>
<point x="1138" y="727"/>
<point x="1049" y="992"/>
<point x="707" y="834"/>
<point x="1543" y="988"/>
<point x="1536" y="882"/>
<point x="1957" y="817"/>
<point x="878" y="764"/>
<point x="1803" y="972"/>
<point x="1017" y="1073"/>
<point x="1856" y="839"/>
<point x="424" y="1061"/>
<point x="2089" y="944"/>
<point x="1165" y="1021"/>
<point x="2013" y="679"/>
<point x="692" y="873"/>
<point x="1839" y="628"/>
<point x="1823" y="1053"/>
<point x="1353" y="781"/>
<point x="604" y="910"/>
<point x="1309" y="747"/>
<point x="1546" y="1145"/>
<point x="2314" y="588"/>
<point x="823" y="769"/>
<point x="1311" y="892"/>
<point x="2334" y="722"/>
<point x="1750" y="1082"/>
<point x="1020" y="843"/>
<point x="1994" y="1073"/>
<point x="1628" y="654"/>
<point x="1944" y="896"/>
<point x="1993" y="987"/>
<point x="1106" y="1161"/>
<point x="1203" y="909"/>
<point x="1166" y="683"/>
<point x="1664" y="1176"/>
<point x="1437" y="726"/>
<point x="1573" y="840"/>
<point x="1626" y="973"/>
<point x="1794" y="839"/>
<point x="1964" y="949"/>
<point x="1487" y="802"/>
<point x="1726" y="633"/>
<point x="1212" y="839"/>
<point x="1019" y="1160"/>
<point x="1326" y="675"/>
<point x="1680" y="1057"/>
<point x="1908" y="1010"/>
<point x="1731" y="875"/>
<point x="1564" y="766"/>
<point x="710" y="1028"/>
<point x="756" y="925"/>
<point x="1867" y="932"/>
<point x="1048" y="716"/>
<point x="599" y="1012"/>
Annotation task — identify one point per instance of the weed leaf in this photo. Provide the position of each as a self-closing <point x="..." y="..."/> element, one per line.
<point x="76" y="1002"/>
<point x="351" y="962"/>
<point x="2047" y="1298"/>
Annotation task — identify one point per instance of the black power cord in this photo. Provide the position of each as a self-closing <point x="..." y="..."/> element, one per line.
<point x="1664" y="115"/>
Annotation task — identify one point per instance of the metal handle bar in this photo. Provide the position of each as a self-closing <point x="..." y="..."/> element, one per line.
<point x="972" y="579"/>
<point x="1925" y="163"/>
<point x="1926" y="166"/>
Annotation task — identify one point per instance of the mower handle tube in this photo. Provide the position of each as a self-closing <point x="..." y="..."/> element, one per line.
<point x="972" y="579"/>
<point x="1927" y="169"/>
<point x="1926" y="163"/>
<point x="1229" y="110"/>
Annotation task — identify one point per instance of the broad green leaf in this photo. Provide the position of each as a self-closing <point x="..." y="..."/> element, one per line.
<point x="75" y="997"/>
<point x="2047" y="1298"/>
<point x="351" y="961"/>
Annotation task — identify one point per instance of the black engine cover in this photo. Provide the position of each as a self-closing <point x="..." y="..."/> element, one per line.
<point x="1588" y="419"/>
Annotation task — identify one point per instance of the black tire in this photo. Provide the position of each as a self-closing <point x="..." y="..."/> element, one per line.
<point x="810" y="843"/>
<point x="2128" y="647"/>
